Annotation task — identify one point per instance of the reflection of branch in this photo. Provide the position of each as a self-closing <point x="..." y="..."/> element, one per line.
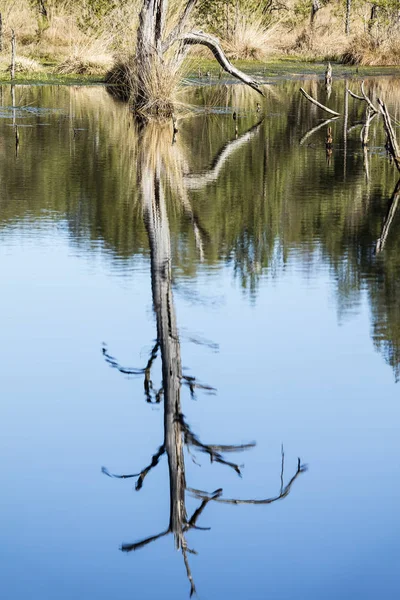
<point x="185" y="550"/>
<point x="193" y="519"/>
<point x="115" y="364"/>
<point x="314" y="129"/>
<point x="148" y="384"/>
<point x="393" y="205"/>
<point x="146" y="371"/>
<point x="283" y="493"/>
<point x="154" y="462"/>
<point x="198" y="181"/>
<point x="137" y="545"/>
<point x="214" y="451"/>
<point x="193" y="384"/>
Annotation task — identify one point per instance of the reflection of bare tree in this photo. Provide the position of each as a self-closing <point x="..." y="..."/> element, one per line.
<point x="393" y="205"/>
<point x="198" y="181"/>
<point x="155" y="172"/>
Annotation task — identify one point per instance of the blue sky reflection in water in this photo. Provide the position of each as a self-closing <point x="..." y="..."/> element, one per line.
<point x="272" y="260"/>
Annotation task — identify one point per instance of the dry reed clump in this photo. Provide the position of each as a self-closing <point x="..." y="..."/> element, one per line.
<point x="155" y="88"/>
<point x="120" y="78"/>
<point x="83" y="65"/>
<point x="65" y="35"/>
<point x="364" y="49"/>
<point x="249" y="40"/>
<point x="26" y="65"/>
<point x="325" y="40"/>
<point x="90" y="58"/>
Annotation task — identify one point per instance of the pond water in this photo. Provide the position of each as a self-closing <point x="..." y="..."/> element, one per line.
<point x="161" y="297"/>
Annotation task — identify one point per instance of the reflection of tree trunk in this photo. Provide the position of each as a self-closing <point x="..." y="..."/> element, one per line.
<point x="153" y="171"/>
<point x="393" y="205"/>
<point x="345" y="126"/>
<point x="157" y="225"/>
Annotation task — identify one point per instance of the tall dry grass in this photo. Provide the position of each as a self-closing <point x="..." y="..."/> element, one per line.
<point x="250" y="39"/>
<point x="364" y="49"/>
<point x="63" y="39"/>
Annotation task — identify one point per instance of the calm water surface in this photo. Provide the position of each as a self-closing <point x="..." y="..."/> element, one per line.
<point x="131" y="264"/>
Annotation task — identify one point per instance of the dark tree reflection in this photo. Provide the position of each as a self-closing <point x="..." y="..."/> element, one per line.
<point x="155" y="177"/>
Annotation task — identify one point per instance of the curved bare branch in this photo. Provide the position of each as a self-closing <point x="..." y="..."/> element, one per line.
<point x="211" y="42"/>
<point x="313" y="101"/>
<point x="314" y="129"/>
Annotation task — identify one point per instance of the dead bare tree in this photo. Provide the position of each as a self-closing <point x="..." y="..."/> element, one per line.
<point x="154" y="44"/>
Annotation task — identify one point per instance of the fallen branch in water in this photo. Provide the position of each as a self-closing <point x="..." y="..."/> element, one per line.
<point x="313" y="101"/>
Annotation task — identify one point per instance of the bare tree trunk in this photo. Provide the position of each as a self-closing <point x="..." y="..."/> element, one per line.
<point x="315" y="6"/>
<point x="372" y="17"/>
<point x="348" y="10"/>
